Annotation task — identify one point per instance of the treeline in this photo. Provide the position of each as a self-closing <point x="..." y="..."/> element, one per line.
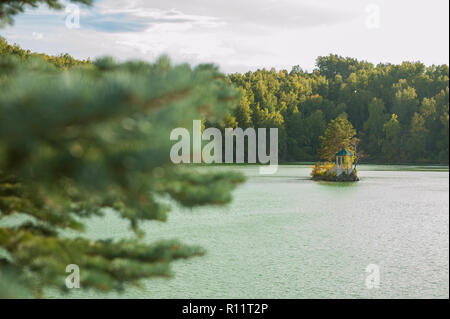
<point x="401" y="112"/>
<point x="63" y="61"/>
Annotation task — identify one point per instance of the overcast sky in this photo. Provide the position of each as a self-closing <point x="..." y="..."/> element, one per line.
<point x="242" y="35"/>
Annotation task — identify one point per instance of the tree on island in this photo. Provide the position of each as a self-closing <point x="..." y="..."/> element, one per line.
<point x="92" y="139"/>
<point x="340" y="134"/>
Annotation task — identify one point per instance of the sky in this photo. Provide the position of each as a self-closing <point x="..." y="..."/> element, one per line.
<point x="241" y="35"/>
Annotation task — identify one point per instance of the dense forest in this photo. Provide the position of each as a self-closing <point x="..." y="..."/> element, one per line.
<point x="400" y="112"/>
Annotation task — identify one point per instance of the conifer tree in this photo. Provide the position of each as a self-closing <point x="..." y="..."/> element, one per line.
<point x="86" y="139"/>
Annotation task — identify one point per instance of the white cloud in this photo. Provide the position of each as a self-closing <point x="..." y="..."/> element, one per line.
<point x="37" y="35"/>
<point x="245" y="34"/>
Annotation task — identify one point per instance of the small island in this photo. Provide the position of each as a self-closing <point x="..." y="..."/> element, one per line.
<point x="341" y="171"/>
<point x="338" y="144"/>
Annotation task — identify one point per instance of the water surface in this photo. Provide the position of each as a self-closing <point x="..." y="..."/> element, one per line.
<point x="285" y="236"/>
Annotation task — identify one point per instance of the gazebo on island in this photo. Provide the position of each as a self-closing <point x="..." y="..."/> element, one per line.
<point x="342" y="170"/>
<point x="344" y="161"/>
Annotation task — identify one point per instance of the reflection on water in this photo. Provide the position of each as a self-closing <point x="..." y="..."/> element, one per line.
<point x="285" y="236"/>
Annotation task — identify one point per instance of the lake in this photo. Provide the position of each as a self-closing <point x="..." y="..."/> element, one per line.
<point x="285" y="236"/>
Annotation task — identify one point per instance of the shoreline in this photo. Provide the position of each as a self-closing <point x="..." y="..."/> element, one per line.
<point x="437" y="166"/>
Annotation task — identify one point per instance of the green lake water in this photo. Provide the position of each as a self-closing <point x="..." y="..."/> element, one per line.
<point x="285" y="236"/>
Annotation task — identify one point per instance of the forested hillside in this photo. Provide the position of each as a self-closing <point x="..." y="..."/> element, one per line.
<point x="63" y="61"/>
<point x="401" y="112"/>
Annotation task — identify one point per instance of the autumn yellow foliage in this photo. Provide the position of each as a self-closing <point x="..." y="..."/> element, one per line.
<point x="319" y="169"/>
